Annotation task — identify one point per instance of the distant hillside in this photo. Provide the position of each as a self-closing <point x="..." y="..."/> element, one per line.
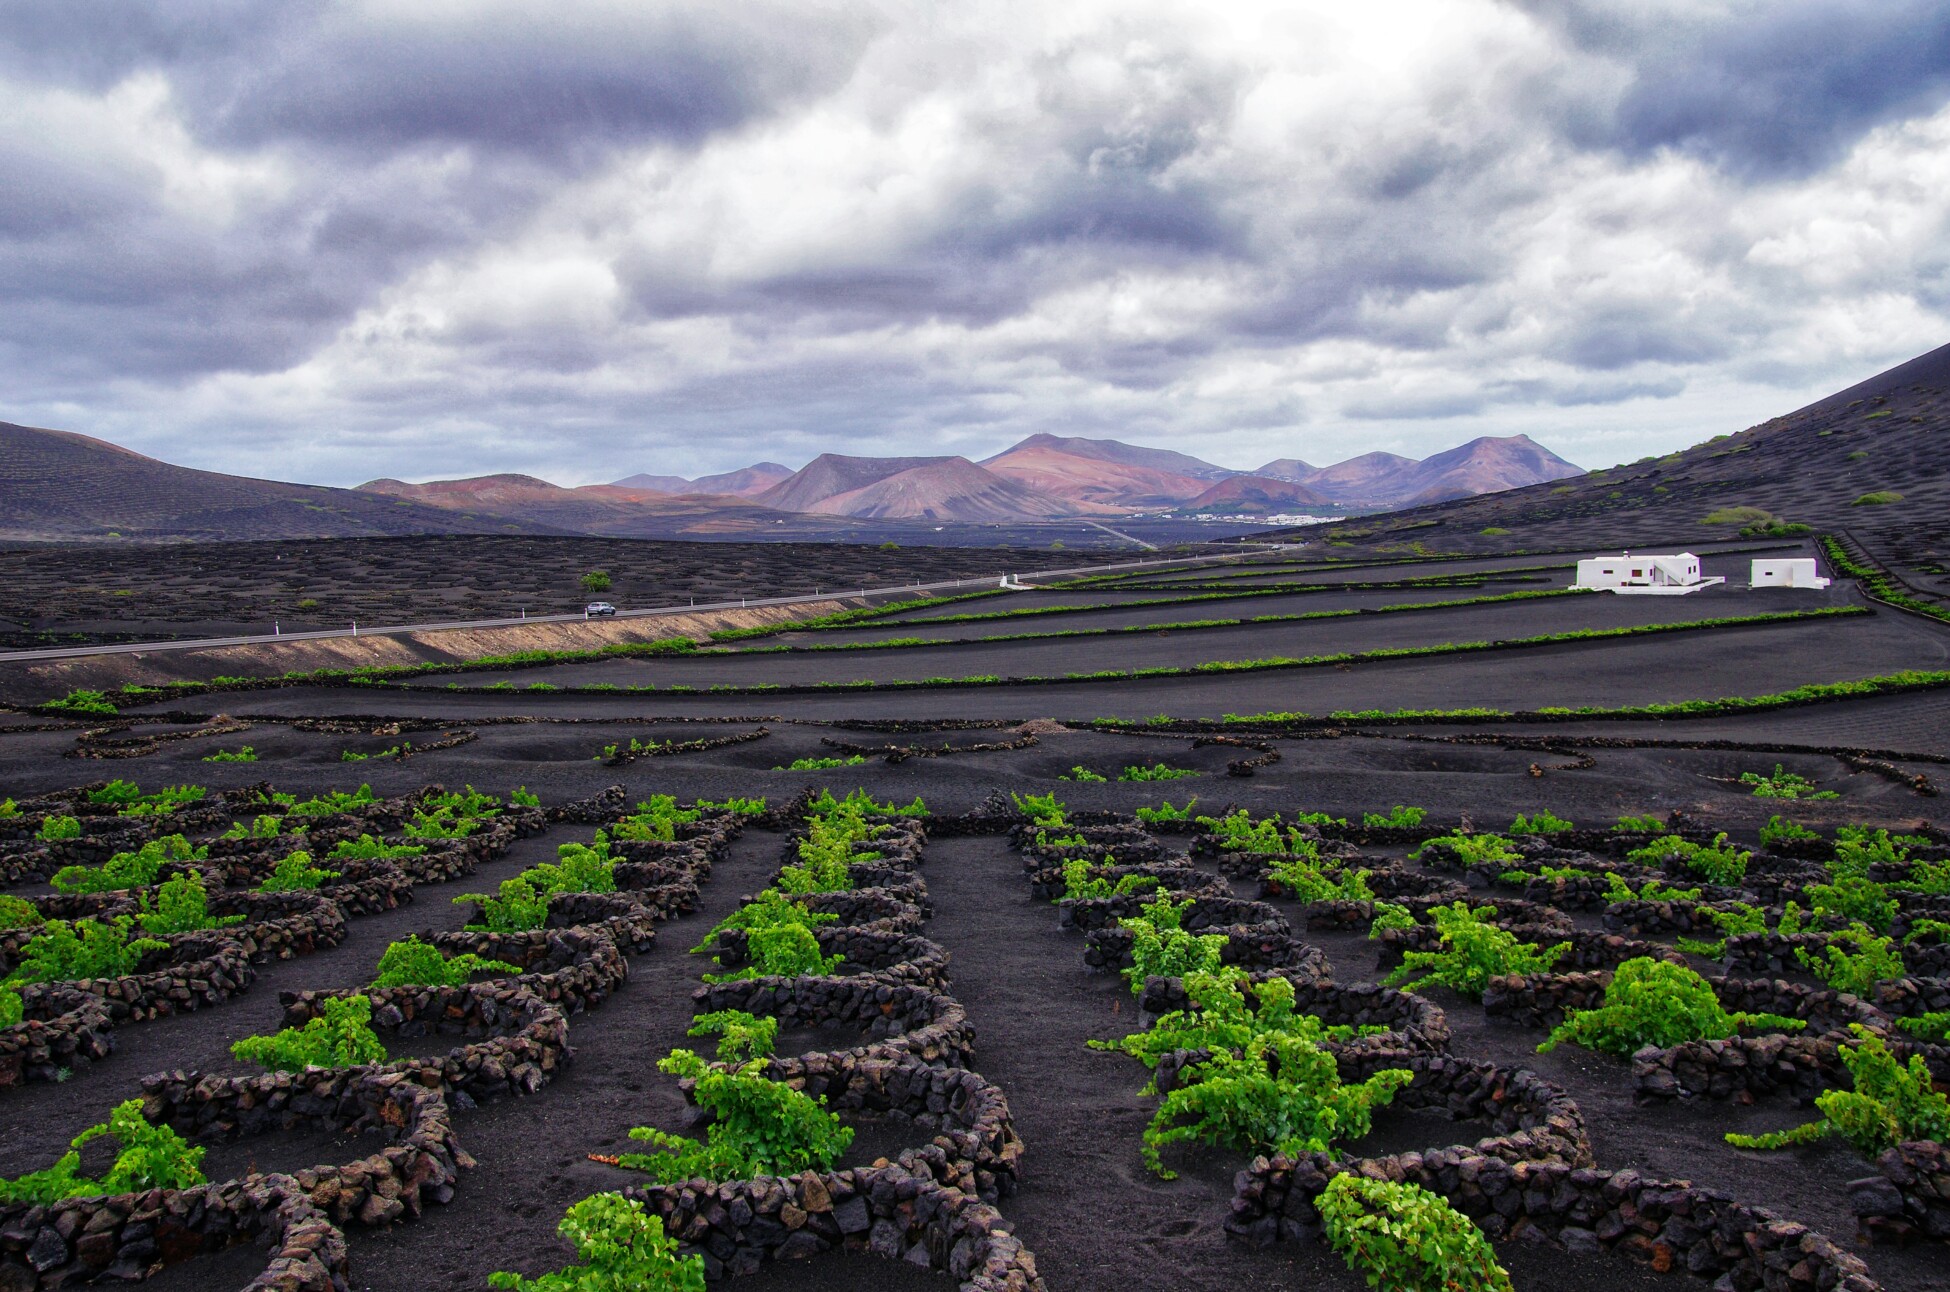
<point x="1485" y="465"/>
<point x="947" y="489"/>
<point x="1120" y="453"/>
<point x="1831" y="465"/>
<point x="1047" y="464"/>
<point x="59" y="485"/>
<point x="746" y="482"/>
<point x="1383" y="480"/>
<point x="1257" y="496"/>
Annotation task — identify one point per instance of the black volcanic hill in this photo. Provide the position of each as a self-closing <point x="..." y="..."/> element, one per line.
<point x="1867" y="462"/>
<point x="59" y="485"/>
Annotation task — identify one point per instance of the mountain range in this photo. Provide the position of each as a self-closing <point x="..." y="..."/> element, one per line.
<point x="1048" y="475"/>
<point x="60" y="485"/>
<point x="1866" y="464"/>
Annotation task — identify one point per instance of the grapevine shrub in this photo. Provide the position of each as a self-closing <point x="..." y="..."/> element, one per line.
<point x="1473" y="951"/>
<point x="1889" y="1105"/>
<point x="295" y="873"/>
<point x="619" y="1246"/>
<point x="759" y="1127"/>
<point x="87" y="948"/>
<point x="1403" y="1238"/>
<point x="1160" y="947"/>
<point x="182" y="906"/>
<point x="151" y="1157"/>
<point x="414" y="963"/>
<point x="1280" y="1092"/>
<point x="742" y="1037"/>
<point x="341" y="1035"/>
<point x="1655" y="1002"/>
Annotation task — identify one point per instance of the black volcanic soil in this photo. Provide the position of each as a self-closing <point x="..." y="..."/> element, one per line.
<point x="56" y="594"/>
<point x="1029" y="997"/>
<point x="1093" y="1215"/>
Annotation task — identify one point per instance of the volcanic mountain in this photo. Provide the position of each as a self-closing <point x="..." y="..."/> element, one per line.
<point x="947" y="489"/>
<point x="59" y="485"/>
<point x="1105" y="473"/>
<point x="1866" y="463"/>
<point x="1483" y="465"/>
<point x="746" y="482"/>
<point x="1256" y="496"/>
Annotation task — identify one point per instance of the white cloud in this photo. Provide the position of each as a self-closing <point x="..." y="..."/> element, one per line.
<point x="1253" y="231"/>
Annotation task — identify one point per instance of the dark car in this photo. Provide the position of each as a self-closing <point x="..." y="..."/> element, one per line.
<point x="598" y="608"/>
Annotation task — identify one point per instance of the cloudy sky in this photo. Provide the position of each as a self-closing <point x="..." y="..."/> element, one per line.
<point x="331" y="241"/>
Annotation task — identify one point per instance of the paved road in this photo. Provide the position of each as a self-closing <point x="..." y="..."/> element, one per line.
<point x="392" y="630"/>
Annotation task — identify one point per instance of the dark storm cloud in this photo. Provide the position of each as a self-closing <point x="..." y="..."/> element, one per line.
<point x="562" y="233"/>
<point x="553" y="82"/>
<point x="1767" y="89"/>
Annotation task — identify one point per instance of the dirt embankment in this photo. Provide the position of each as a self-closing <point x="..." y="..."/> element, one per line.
<point x="42" y="679"/>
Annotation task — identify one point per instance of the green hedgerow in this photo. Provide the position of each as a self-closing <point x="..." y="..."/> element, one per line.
<point x="17" y="912"/>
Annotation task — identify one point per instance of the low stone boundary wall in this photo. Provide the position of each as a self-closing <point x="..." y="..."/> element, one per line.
<point x="887" y="1211"/>
<point x="893" y="1018"/>
<point x="120" y="1237"/>
<point x="897" y="957"/>
<point x="1205" y="913"/>
<point x="524" y="1039"/>
<point x="1247" y="946"/>
<point x="418" y="1167"/>
<point x="1668" y="1223"/>
<point x="975" y="1148"/>
<point x="1910" y="1197"/>
<point x="60" y="1029"/>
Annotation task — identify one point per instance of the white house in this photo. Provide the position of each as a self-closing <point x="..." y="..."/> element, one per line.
<point x="1796" y="572"/>
<point x="1666" y="576"/>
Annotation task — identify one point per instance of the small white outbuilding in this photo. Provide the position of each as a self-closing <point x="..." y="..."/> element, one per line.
<point x="1662" y="575"/>
<point x="1795" y="572"/>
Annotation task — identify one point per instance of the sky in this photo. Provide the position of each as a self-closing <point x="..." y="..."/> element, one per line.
<point x="334" y="241"/>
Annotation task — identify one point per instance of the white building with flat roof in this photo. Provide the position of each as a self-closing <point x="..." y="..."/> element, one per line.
<point x="1650" y="575"/>
<point x="1793" y="572"/>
